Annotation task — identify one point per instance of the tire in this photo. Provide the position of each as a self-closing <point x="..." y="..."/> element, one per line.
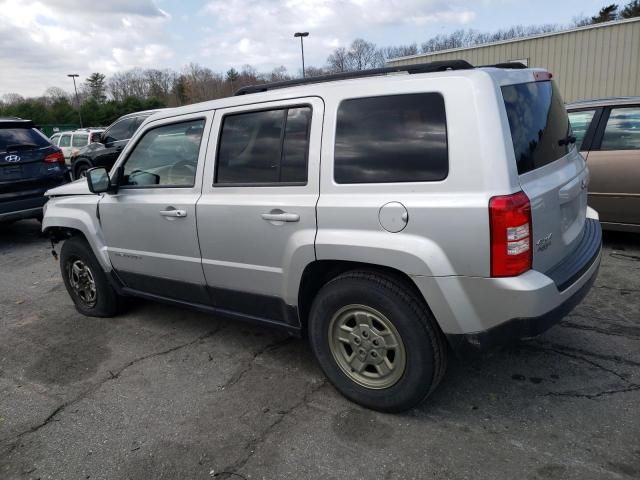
<point x="377" y="307"/>
<point x="80" y="170"/>
<point x="106" y="302"/>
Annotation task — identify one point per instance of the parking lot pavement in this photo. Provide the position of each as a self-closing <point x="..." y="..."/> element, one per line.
<point x="161" y="392"/>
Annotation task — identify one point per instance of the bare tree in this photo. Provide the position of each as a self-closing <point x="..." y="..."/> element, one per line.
<point x="338" y="61"/>
<point x="313" y="72"/>
<point x="400" y="51"/>
<point x="364" y="55"/>
<point x="12" y="98"/>
<point x="55" y="94"/>
<point x="160" y="82"/>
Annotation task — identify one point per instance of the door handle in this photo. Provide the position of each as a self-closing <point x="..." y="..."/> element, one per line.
<point x="172" y="212"/>
<point x="281" y="217"/>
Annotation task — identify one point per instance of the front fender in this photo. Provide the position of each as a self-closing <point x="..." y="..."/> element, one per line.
<point x="78" y="213"/>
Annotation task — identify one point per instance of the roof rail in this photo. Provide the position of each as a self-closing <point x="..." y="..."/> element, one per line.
<point x="439" y="66"/>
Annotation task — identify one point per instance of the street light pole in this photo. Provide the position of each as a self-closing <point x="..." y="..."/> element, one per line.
<point x="301" y="35"/>
<point x="73" y="76"/>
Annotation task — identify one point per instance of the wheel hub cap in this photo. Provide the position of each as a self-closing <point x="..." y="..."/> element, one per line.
<point x="82" y="282"/>
<point x="367" y="347"/>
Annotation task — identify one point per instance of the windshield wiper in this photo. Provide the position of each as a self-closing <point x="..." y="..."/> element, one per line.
<point x="567" y="140"/>
<point x="21" y="146"/>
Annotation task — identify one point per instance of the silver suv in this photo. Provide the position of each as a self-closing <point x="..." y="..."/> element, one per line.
<point x="387" y="215"/>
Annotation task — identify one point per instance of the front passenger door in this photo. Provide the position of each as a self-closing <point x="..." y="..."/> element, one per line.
<point x="149" y="225"/>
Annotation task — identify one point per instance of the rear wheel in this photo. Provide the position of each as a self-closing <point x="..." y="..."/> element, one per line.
<point x="376" y="341"/>
<point x="85" y="280"/>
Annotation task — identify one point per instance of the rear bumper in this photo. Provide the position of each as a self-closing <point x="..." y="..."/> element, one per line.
<point x="517" y="329"/>
<point x="478" y="314"/>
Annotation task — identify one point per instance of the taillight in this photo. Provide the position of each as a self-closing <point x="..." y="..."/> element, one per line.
<point x="55" y="157"/>
<point x="510" y="223"/>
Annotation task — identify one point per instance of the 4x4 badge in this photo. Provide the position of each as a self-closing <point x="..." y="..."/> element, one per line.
<point x="12" y="158"/>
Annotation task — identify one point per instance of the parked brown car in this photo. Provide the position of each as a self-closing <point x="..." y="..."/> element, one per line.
<point x="607" y="133"/>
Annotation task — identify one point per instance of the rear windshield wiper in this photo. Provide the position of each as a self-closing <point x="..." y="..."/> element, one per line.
<point x="567" y="140"/>
<point x="21" y="146"/>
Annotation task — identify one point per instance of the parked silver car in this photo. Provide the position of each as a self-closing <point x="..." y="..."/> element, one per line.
<point x="386" y="215"/>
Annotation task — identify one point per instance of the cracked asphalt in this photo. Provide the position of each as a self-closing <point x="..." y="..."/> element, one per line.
<point x="163" y="393"/>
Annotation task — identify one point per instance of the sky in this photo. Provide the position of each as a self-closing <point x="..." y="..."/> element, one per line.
<point x="42" y="41"/>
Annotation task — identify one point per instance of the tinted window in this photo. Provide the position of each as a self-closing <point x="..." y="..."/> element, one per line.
<point x="539" y="124"/>
<point x="399" y="138"/>
<point x="264" y="147"/>
<point x="13" y="137"/>
<point x="119" y="131"/>
<point x="65" y="141"/>
<point x="55" y="139"/>
<point x="79" y="140"/>
<point x="580" y="122"/>
<point x="165" y="156"/>
<point x="296" y="146"/>
<point x="623" y="130"/>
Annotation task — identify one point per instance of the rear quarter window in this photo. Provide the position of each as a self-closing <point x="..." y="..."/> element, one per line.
<point x="395" y="138"/>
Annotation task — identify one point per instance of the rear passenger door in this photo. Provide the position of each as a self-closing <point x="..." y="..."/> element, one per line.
<point x="256" y="216"/>
<point x="614" y="163"/>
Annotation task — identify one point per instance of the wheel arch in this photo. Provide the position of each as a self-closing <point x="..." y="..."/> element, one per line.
<point x="63" y="221"/>
<point x="316" y="274"/>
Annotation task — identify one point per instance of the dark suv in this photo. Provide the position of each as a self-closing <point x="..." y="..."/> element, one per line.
<point x="112" y="141"/>
<point x="29" y="166"/>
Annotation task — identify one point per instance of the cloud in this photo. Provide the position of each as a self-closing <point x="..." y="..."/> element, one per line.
<point x="41" y="42"/>
<point x="267" y="27"/>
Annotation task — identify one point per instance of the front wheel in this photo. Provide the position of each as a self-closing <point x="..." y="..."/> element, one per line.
<point x="85" y="280"/>
<point x="80" y="171"/>
<point x="376" y="341"/>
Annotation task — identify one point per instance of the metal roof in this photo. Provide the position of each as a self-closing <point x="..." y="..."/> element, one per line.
<point x="519" y="39"/>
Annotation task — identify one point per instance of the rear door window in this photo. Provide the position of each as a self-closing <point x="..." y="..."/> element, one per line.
<point x="623" y="130"/>
<point x="264" y="147"/>
<point x="538" y="122"/>
<point x="395" y="138"/>
<point x="580" y="122"/>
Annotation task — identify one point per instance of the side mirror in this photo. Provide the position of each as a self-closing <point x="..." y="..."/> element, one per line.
<point x="98" y="180"/>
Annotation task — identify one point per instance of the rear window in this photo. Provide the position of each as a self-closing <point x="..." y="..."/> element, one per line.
<point x="21" y="137"/>
<point x="539" y="124"/>
<point x="396" y="138"/>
